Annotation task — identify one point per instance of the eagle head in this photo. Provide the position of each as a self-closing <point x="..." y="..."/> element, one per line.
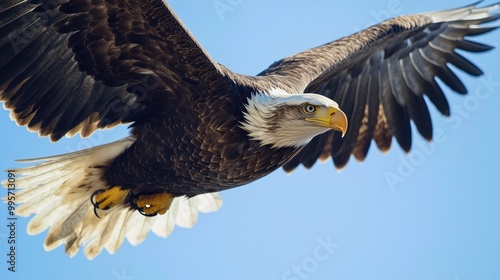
<point x="281" y="120"/>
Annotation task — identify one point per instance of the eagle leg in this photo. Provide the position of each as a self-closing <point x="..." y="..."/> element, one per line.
<point x="151" y="204"/>
<point x="106" y="198"/>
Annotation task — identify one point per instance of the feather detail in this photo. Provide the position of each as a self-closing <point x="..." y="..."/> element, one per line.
<point x="57" y="192"/>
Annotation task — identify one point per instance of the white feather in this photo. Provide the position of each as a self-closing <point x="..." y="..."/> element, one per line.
<point x="261" y="109"/>
<point x="164" y="224"/>
<point x="187" y="213"/>
<point x="57" y="191"/>
<point x="138" y="228"/>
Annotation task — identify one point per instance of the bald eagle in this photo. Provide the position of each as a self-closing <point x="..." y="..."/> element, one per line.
<point x="197" y="128"/>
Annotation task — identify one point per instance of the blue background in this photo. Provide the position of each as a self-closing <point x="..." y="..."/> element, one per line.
<point x="440" y="220"/>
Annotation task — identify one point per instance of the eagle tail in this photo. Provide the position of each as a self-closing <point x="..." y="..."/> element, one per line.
<point x="58" y="190"/>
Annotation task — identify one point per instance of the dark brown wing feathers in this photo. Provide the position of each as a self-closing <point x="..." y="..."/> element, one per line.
<point x="379" y="77"/>
<point x="108" y="53"/>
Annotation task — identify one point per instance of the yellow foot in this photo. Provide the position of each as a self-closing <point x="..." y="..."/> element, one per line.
<point x="106" y="198"/>
<point x="152" y="204"/>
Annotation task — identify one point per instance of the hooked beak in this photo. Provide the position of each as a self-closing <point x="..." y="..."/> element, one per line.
<point x="331" y="117"/>
<point x="338" y="120"/>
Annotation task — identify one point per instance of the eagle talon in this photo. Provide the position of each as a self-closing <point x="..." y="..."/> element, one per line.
<point x="151" y="205"/>
<point x="92" y="200"/>
<point x="132" y="200"/>
<point x="104" y="199"/>
<point x="92" y="196"/>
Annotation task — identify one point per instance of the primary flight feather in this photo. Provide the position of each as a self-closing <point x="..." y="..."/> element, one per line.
<point x="75" y="66"/>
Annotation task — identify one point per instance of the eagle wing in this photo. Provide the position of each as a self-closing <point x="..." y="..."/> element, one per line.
<point x="379" y="77"/>
<point x="75" y="66"/>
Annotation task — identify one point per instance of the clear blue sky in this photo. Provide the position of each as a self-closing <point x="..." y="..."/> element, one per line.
<point x="440" y="221"/>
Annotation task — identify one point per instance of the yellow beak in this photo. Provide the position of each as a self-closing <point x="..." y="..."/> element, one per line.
<point x="338" y="120"/>
<point x="331" y="117"/>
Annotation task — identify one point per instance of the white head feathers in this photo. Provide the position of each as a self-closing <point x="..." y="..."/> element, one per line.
<point x="275" y="118"/>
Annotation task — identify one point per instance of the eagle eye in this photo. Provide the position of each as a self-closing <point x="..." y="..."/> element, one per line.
<point x="309" y="109"/>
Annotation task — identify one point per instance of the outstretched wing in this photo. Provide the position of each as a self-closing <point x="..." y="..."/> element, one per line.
<point x="380" y="75"/>
<point x="72" y="66"/>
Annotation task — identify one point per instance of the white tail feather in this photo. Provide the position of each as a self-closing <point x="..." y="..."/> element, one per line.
<point x="58" y="192"/>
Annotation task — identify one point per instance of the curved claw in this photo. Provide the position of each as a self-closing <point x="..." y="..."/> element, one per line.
<point x="132" y="200"/>
<point x="94" y="203"/>
<point x="151" y="204"/>
<point x="104" y="199"/>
